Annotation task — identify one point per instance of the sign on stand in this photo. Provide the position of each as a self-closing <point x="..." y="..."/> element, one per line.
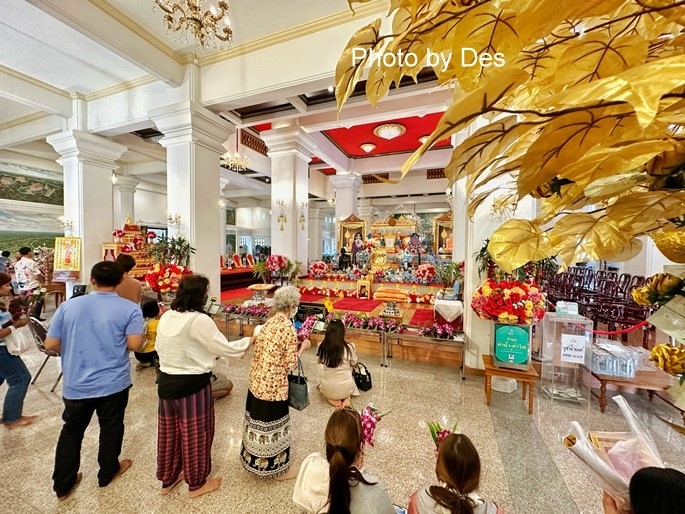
<point x="573" y="348"/>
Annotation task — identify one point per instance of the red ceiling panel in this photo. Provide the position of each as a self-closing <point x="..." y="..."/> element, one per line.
<point x="348" y="140"/>
<point x="261" y="127"/>
<point x="327" y="171"/>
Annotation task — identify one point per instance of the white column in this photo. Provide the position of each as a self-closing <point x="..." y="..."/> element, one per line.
<point x="124" y="206"/>
<point x="316" y="217"/>
<point x="365" y="210"/>
<point x="290" y="150"/>
<point x="88" y="161"/>
<point x="223" y="186"/>
<point x="346" y="194"/>
<point x="193" y="137"/>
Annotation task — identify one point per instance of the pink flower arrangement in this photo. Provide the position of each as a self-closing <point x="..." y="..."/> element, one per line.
<point x="151" y="235"/>
<point x="306" y="329"/>
<point x="440" y="433"/>
<point x="127" y="248"/>
<point x="117" y="232"/>
<point x="370" y="246"/>
<point x="379" y="274"/>
<point x="318" y="268"/>
<point x="425" y="272"/>
<point x="277" y="263"/>
<point x="438" y="331"/>
<point x="370" y="418"/>
<point x="352" y="320"/>
<point x="138" y="242"/>
<point x="164" y="278"/>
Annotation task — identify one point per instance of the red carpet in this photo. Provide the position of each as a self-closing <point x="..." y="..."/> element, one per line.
<point x="232" y="294"/>
<point x="422" y="317"/>
<point x="353" y="304"/>
<point x="311" y="298"/>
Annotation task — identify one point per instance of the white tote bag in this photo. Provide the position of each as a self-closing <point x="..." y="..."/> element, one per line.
<point x="16" y="342"/>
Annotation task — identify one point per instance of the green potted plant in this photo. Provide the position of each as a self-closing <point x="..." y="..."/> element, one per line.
<point x="174" y="250"/>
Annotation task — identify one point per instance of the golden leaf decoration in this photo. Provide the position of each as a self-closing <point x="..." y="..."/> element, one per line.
<point x="469" y="108"/>
<point x="614" y="184"/>
<point x="567" y="138"/>
<point x="484" y="147"/>
<point x="349" y="70"/>
<point x="509" y="167"/>
<point x="518" y="242"/>
<point x="631" y="250"/>
<point x="599" y="55"/>
<point x="641" y="212"/>
<point x="641" y="86"/>
<point x="583" y="237"/>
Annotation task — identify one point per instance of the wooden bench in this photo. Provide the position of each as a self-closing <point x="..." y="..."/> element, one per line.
<point x="526" y="377"/>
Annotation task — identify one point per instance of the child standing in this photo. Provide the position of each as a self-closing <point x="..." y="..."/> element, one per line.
<point x="148" y="356"/>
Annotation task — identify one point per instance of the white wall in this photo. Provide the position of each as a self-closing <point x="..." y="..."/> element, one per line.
<point x="150" y="207"/>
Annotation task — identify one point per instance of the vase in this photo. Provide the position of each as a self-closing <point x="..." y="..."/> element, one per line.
<point x="511" y="345"/>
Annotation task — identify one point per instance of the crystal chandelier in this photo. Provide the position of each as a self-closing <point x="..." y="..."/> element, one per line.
<point x="210" y="27"/>
<point x="236" y="162"/>
<point x="389" y="130"/>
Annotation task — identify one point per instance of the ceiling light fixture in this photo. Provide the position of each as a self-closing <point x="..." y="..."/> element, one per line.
<point x="236" y="162"/>
<point x="210" y="28"/>
<point x="423" y="139"/>
<point x="389" y="130"/>
<point x="367" y="147"/>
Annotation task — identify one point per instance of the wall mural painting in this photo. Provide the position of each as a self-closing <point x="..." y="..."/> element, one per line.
<point x="26" y="184"/>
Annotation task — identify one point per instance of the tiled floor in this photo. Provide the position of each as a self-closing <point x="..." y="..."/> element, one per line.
<point x="525" y="466"/>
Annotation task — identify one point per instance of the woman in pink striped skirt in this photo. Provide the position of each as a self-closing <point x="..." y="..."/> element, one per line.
<point x="188" y="344"/>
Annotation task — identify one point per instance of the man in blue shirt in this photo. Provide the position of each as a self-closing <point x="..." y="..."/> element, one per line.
<point x="93" y="334"/>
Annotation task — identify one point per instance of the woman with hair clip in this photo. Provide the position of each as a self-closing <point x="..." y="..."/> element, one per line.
<point x="458" y="470"/>
<point x="336" y="484"/>
<point x="338" y="357"/>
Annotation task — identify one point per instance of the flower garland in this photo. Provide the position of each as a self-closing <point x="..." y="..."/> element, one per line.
<point x="251" y="311"/>
<point x="378" y="323"/>
<point x="127" y="248"/>
<point x="306" y="328"/>
<point x="164" y="278"/>
<point x="509" y="301"/>
<point x="438" y="331"/>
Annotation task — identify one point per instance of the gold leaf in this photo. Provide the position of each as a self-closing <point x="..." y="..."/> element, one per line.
<point x="567" y="138"/>
<point x="582" y="237"/>
<point x="517" y="242"/>
<point x="486" y="145"/>
<point x="614" y="184"/>
<point x="469" y="107"/>
<point x="632" y="249"/>
<point x="476" y="202"/>
<point x="668" y="161"/>
<point x="486" y="32"/>
<point x="599" y="55"/>
<point x="510" y="166"/>
<point x="641" y="86"/>
<point x="349" y="69"/>
<point x="381" y="76"/>
<point x="641" y="212"/>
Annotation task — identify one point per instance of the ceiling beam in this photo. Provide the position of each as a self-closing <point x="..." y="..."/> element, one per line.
<point x="135" y="46"/>
<point x="388" y="163"/>
<point x="329" y="153"/>
<point x="30" y="128"/>
<point x="26" y="90"/>
<point x="139" y="145"/>
<point x="145" y="168"/>
<point x="241" y="181"/>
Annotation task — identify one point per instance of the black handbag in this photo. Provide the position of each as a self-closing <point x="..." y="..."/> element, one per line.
<point x="362" y="376"/>
<point x="298" y="390"/>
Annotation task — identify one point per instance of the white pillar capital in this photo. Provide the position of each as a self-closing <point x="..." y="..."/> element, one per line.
<point x="127" y="184"/>
<point x="189" y="122"/>
<point x="347" y="180"/>
<point x="86" y="148"/>
<point x="346" y="193"/>
<point x="287" y="141"/>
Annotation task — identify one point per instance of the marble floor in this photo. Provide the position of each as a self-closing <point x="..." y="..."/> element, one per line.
<point x="525" y="466"/>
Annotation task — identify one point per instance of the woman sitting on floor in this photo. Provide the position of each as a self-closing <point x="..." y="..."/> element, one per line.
<point x="338" y="357"/>
<point x="335" y="484"/>
<point x="458" y="470"/>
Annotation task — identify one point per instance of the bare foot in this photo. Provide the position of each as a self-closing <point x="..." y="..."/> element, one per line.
<point x="167" y="490"/>
<point x="79" y="476"/>
<point x="123" y="468"/>
<point x="335" y="403"/>
<point x="212" y="484"/>
<point x="291" y="474"/>
<point x="21" y="422"/>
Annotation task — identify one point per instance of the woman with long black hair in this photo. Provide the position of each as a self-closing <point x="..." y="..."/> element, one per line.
<point x="338" y="357"/>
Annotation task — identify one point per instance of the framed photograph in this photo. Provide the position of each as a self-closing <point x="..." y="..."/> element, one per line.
<point x="363" y="289"/>
<point x="214" y="309"/>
